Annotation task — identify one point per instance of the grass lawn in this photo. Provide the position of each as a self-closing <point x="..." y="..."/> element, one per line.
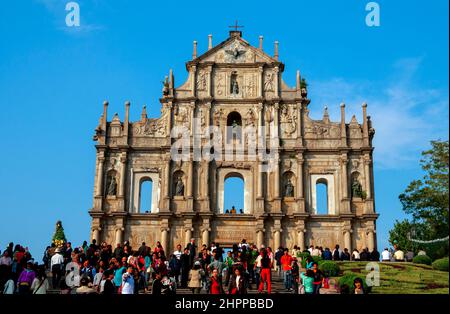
<point x="403" y="278"/>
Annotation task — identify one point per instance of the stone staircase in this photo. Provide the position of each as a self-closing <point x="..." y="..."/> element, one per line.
<point x="277" y="288"/>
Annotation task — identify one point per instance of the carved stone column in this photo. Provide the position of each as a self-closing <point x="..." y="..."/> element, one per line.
<point x="188" y="229"/>
<point x="277" y="80"/>
<point x="345" y="201"/>
<point x="299" y="124"/>
<point x="300" y="188"/>
<point x="277" y="234"/>
<point x="260" y="81"/>
<point x="119" y="235"/>
<point x="277" y="178"/>
<point x="348" y="239"/>
<point x="165" y="239"/>
<point x="101" y="163"/>
<point x="367" y="180"/>
<point x="96" y="234"/>
<point x="123" y="166"/>
<point x="370" y="239"/>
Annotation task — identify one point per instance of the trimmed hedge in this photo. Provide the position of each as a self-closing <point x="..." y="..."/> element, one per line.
<point x="422" y="259"/>
<point x="316" y="259"/>
<point x="346" y="283"/>
<point x="329" y="268"/>
<point x="441" y="264"/>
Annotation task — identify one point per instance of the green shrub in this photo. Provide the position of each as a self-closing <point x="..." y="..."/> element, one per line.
<point x="346" y="283"/>
<point x="316" y="259"/>
<point x="329" y="268"/>
<point x="441" y="264"/>
<point x="303" y="255"/>
<point x="422" y="259"/>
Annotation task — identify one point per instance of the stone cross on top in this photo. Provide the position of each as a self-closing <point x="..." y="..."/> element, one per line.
<point x="235" y="32"/>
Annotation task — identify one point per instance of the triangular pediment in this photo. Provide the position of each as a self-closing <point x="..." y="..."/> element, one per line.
<point x="235" y="50"/>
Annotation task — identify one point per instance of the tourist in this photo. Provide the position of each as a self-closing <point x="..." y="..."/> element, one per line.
<point x="128" y="283"/>
<point x="399" y="256"/>
<point x="310" y="249"/>
<point x="215" y="285"/>
<point x="364" y="255"/>
<point x="265" y="265"/>
<point x="229" y="260"/>
<point x="278" y="254"/>
<point x="56" y="266"/>
<point x="295" y="250"/>
<point x="40" y="283"/>
<point x="315" y="251"/>
<point x="409" y="256"/>
<point x="26" y="279"/>
<point x="421" y="252"/>
<point x="178" y="252"/>
<point x="355" y="255"/>
<point x="358" y="286"/>
<point x="120" y="270"/>
<point x="175" y="267"/>
<point x="238" y="283"/>
<point x="192" y="247"/>
<point x="336" y="253"/>
<point x="185" y="261"/>
<point x="286" y="265"/>
<point x="318" y="278"/>
<point x="308" y="281"/>
<point x="195" y="278"/>
<point x="386" y="255"/>
<point x="108" y="285"/>
<point x="375" y="255"/>
<point x="327" y="256"/>
<point x="345" y="255"/>
<point x="9" y="286"/>
<point x="84" y="286"/>
<point x="295" y="270"/>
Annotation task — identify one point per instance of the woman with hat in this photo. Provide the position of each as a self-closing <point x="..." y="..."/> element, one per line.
<point x="195" y="278"/>
<point x="26" y="279"/>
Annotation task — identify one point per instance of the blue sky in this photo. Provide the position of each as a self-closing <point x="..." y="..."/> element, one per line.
<point x="53" y="80"/>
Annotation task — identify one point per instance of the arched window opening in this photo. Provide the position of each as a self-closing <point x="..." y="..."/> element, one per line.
<point x="233" y="195"/>
<point x="322" y="197"/>
<point x="145" y="196"/>
<point x="234" y="126"/>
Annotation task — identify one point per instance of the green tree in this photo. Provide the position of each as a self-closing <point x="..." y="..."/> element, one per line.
<point x="426" y="200"/>
<point x="59" y="238"/>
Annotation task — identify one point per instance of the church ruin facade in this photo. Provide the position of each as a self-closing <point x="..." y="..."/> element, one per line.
<point x="236" y="90"/>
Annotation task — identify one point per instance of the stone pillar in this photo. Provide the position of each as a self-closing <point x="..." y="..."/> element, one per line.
<point x="277" y="179"/>
<point x="123" y="166"/>
<point x="259" y="238"/>
<point x="164" y="239"/>
<point x="347" y="240"/>
<point x="367" y="176"/>
<point x="166" y="179"/>
<point x="276" y="79"/>
<point x="205" y="236"/>
<point x="276" y="239"/>
<point x="300" y="162"/>
<point x="96" y="235"/>
<point x="301" y="239"/>
<point x="119" y="235"/>
<point x="260" y="180"/>
<point x="299" y="124"/>
<point x="260" y="82"/>
<point x="188" y="231"/>
<point x="370" y="240"/>
<point x="190" y="178"/>
<point x="101" y="162"/>
<point x="344" y="175"/>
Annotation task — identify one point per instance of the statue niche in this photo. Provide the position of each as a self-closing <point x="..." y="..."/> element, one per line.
<point x="234" y="85"/>
<point x="178" y="183"/>
<point x="288" y="186"/>
<point x="111" y="183"/>
<point x="357" y="190"/>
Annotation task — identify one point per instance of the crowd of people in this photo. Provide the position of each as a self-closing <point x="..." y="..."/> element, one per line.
<point x="93" y="268"/>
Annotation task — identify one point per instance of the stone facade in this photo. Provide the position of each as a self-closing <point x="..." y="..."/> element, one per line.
<point x="235" y="81"/>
